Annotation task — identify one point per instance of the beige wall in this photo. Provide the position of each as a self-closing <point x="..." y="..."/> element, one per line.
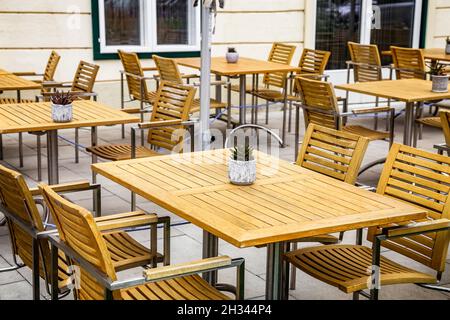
<point x="438" y="27"/>
<point x="29" y="30"/>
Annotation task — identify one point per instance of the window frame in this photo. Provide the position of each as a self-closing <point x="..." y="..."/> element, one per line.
<point x="148" y="34"/>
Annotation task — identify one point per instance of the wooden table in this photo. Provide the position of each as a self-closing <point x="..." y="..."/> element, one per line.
<point x="435" y="54"/>
<point x="410" y="91"/>
<point x="245" y="66"/>
<point x="36" y="117"/>
<point x="11" y="82"/>
<point x="287" y="202"/>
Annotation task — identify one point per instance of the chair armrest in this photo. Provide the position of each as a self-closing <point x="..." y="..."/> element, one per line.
<point x="27" y="73"/>
<point x="136" y="76"/>
<point x="419" y="227"/>
<point x="66" y="187"/>
<point x="366" y="65"/>
<point x="136" y="110"/>
<point x="190" y="76"/>
<point x="310" y="75"/>
<point x="367" y="111"/>
<point x="126" y="220"/>
<point x="52" y="84"/>
<point x="442" y="147"/>
<point x="165" y="123"/>
<point x="176" y="270"/>
<point x="150" y="69"/>
<point x="214" y="83"/>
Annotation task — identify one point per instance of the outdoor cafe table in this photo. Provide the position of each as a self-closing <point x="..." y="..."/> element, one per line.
<point x="410" y="91"/>
<point x="245" y="66"/>
<point x="285" y="203"/>
<point x="36" y="117"/>
<point x="434" y="54"/>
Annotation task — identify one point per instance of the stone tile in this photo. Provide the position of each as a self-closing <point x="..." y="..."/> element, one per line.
<point x="16" y="291"/>
<point x="8" y="276"/>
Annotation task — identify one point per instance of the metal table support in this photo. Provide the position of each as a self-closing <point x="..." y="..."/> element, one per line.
<point x="409" y="123"/>
<point x="210" y="249"/>
<point x="52" y="156"/>
<point x="277" y="272"/>
<point x="242" y="98"/>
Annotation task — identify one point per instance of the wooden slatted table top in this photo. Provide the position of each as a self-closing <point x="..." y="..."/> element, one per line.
<point x="28" y="117"/>
<point x="10" y="81"/>
<point x="4" y="72"/>
<point x="220" y="66"/>
<point x="430" y="53"/>
<point x="285" y="203"/>
<point x="406" y="90"/>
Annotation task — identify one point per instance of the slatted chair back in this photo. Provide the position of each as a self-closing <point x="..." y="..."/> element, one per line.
<point x="409" y="63"/>
<point x="78" y="230"/>
<point x="132" y="66"/>
<point x="334" y="153"/>
<point x="423" y="179"/>
<point x="17" y="199"/>
<point x="366" y="54"/>
<point x="173" y="102"/>
<point x="168" y="69"/>
<point x="445" y="121"/>
<point x="280" y="53"/>
<point x="84" y="78"/>
<point x="319" y="103"/>
<point x="50" y="69"/>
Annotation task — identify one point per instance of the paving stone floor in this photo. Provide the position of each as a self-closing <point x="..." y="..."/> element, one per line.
<point x="186" y="238"/>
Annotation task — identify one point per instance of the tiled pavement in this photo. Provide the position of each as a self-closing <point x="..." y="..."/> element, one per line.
<point x="186" y="238"/>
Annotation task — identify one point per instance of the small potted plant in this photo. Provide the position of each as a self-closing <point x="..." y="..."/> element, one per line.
<point x="447" y="47"/>
<point x="62" y="106"/>
<point x="438" y="77"/>
<point x="242" y="166"/>
<point x="232" y="56"/>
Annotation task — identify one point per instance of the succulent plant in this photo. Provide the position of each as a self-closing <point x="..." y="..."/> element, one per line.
<point x="448" y="40"/>
<point x="242" y="153"/>
<point x="231" y="49"/>
<point x="61" y="98"/>
<point x="437" y="69"/>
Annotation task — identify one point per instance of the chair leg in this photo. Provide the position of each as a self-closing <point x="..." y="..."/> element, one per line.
<point x="39" y="157"/>
<point x="292" y="284"/>
<point x="21" y="150"/>
<point x="267" y="112"/>
<point x="133" y="201"/>
<point x="356" y="295"/>
<point x="415" y="137"/>
<point x="77" y="152"/>
<point x="1" y="147"/>
<point x="290" y="117"/>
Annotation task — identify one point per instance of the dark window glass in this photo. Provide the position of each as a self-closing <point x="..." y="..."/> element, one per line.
<point x="338" y="21"/>
<point x="122" y="22"/>
<point x="393" y="24"/>
<point x="173" y="22"/>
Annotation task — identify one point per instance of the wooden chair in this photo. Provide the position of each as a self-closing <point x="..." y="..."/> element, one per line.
<point x="170" y="115"/>
<point x="334" y="153"/>
<point x="137" y="85"/>
<point x="366" y="64"/>
<point x="445" y="122"/>
<point x="416" y="177"/>
<point x="280" y="53"/>
<point x="320" y="106"/>
<point x="25" y="224"/>
<point x="90" y="253"/>
<point x="408" y="63"/>
<point x="47" y="79"/>
<point x="169" y="72"/>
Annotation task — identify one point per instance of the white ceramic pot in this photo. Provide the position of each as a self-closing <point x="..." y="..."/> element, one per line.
<point x="242" y="173"/>
<point x="232" y="57"/>
<point x="62" y="113"/>
<point x="439" y="83"/>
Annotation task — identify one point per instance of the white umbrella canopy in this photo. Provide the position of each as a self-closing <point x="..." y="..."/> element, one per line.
<point x="208" y="8"/>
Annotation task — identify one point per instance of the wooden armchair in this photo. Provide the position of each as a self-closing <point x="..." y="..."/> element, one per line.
<point x="169" y="72"/>
<point x="366" y="65"/>
<point x="445" y="121"/>
<point x="170" y="115"/>
<point x="136" y="80"/>
<point x="27" y="231"/>
<point x="334" y="153"/>
<point x="320" y="106"/>
<point x="414" y="176"/>
<point x="47" y="78"/>
<point x="98" y="278"/>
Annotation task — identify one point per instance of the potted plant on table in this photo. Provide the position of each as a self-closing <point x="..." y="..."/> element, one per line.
<point x="62" y="106"/>
<point x="242" y="166"/>
<point x="232" y="56"/>
<point x="438" y="77"/>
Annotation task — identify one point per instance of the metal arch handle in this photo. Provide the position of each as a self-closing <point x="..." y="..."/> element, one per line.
<point x="255" y="126"/>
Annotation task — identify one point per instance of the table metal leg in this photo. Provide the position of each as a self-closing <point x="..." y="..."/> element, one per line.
<point x="210" y="249"/>
<point x="21" y="149"/>
<point x="52" y="156"/>
<point x="1" y="147"/>
<point x="218" y="93"/>
<point x="94" y="142"/>
<point x="409" y="122"/>
<point x="242" y="97"/>
<point x="276" y="272"/>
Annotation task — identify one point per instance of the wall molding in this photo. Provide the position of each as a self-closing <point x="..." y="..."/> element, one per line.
<point x="260" y="11"/>
<point x="45" y="12"/>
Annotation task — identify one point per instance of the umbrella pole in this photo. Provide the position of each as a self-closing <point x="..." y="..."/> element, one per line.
<point x="205" y="75"/>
